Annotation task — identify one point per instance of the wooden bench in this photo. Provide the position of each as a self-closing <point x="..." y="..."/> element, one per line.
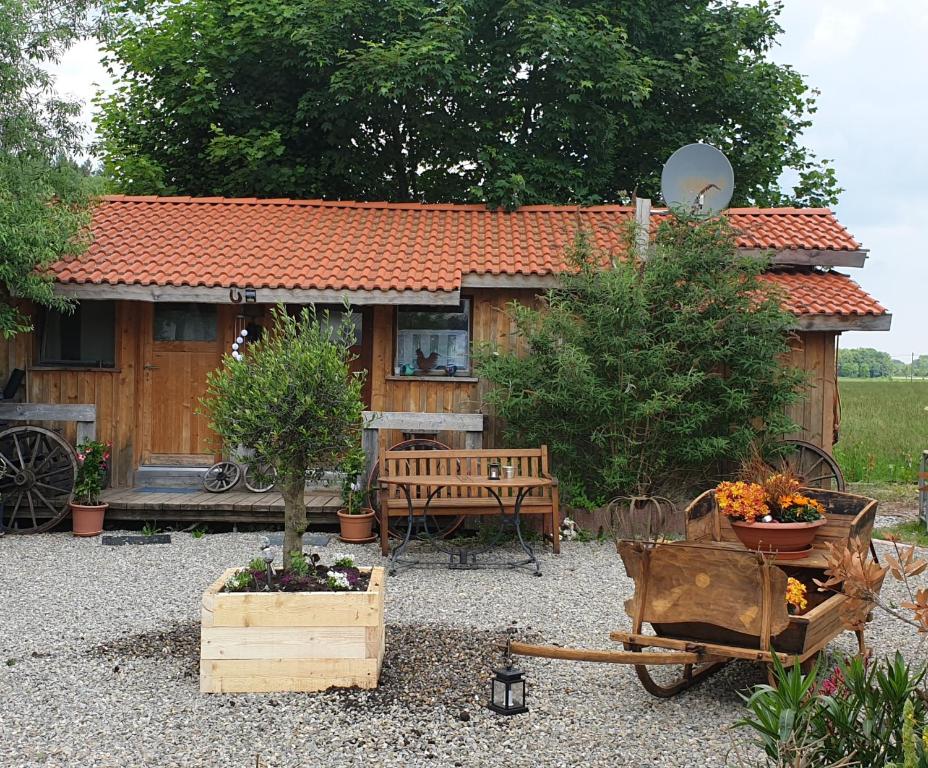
<point x="449" y="501"/>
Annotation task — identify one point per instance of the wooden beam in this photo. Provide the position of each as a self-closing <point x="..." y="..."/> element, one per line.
<point x="221" y="295"/>
<point x="642" y="226"/>
<point x="612" y="657"/>
<point x="844" y="322"/>
<point x="426" y="422"/>
<point x="518" y="282"/>
<point x="47" y="412"/>
<point x="807" y="257"/>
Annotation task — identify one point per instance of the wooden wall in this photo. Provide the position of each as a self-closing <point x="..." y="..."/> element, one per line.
<point x="817" y="412"/>
<point x="405" y="393"/>
<point x="118" y="393"/>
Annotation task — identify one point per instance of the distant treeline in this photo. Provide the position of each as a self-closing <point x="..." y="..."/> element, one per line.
<point x="867" y="363"/>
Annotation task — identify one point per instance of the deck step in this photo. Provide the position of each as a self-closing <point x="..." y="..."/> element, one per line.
<point x="169" y="477"/>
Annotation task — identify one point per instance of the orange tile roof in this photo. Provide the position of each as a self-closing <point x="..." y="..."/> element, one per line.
<point x="809" y="292"/>
<point x="315" y="244"/>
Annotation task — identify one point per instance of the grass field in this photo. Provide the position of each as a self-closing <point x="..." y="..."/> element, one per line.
<point x="884" y="429"/>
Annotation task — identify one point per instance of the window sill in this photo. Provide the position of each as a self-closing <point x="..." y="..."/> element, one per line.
<point x="81" y="368"/>
<point x="447" y="379"/>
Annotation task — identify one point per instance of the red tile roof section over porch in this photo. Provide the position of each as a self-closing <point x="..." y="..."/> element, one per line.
<point x="348" y="246"/>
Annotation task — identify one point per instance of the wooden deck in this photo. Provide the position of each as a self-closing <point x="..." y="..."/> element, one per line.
<point x="194" y="505"/>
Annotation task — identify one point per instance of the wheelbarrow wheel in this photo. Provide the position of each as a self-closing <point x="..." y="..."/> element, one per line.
<point x="690" y="674"/>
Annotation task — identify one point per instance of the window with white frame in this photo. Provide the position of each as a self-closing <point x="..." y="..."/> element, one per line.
<point x="429" y="339"/>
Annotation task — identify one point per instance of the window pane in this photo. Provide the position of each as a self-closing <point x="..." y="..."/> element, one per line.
<point x="86" y="337"/>
<point x="431" y="338"/>
<point x="185" y="322"/>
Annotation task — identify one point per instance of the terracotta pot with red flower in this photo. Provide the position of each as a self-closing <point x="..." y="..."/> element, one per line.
<point x="772" y="516"/>
<point x="355" y="519"/>
<point x="87" y="511"/>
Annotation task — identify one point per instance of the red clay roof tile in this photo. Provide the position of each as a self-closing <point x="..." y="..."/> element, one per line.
<point x="290" y="244"/>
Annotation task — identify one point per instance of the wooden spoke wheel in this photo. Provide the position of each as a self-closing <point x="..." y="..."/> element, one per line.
<point x="37" y="474"/>
<point x="222" y="476"/>
<point x="814" y="466"/>
<point x="436" y="525"/>
<point x="259" y="478"/>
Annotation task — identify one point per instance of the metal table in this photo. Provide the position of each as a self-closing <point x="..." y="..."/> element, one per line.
<point x="464" y="557"/>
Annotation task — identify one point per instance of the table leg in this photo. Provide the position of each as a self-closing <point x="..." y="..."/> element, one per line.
<point x="520" y="497"/>
<point x="400" y="549"/>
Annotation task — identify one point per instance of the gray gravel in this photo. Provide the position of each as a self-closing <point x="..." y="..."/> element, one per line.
<point x="100" y="648"/>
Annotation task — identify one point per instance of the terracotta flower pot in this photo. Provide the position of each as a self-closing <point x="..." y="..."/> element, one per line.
<point x="87" y="519"/>
<point x="356" y="529"/>
<point x="785" y="539"/>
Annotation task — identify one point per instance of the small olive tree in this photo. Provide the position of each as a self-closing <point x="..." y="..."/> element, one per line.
<point x="294" y="401"/>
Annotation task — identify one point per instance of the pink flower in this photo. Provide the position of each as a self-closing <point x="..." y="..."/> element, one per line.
<point x="81" y="456"/>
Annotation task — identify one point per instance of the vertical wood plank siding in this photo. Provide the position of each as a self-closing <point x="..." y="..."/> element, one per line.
<point x="118" y="394"/>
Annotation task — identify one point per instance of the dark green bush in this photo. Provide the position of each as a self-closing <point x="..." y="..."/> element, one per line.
<point x="642" y="374"/>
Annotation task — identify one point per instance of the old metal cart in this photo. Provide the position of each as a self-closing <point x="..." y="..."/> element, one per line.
<point x="710" y="601"/>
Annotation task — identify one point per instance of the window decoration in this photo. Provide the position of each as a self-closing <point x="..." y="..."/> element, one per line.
<point x="433" y="340"/>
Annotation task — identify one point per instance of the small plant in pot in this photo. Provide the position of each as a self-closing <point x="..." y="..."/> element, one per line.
<point x="356" y="518"/>
<point x="771" y="514"/>
<point x="87" y="511"/>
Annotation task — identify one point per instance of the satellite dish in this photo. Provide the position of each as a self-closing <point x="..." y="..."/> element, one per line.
<point x="699" y="179"/>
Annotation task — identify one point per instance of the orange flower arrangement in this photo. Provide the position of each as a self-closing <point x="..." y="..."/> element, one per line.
<point x="776" y="498"/>
<point x="796" y="594"/>
<point x="740" y="499"/>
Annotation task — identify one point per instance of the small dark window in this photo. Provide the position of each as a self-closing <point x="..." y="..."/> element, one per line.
<point x="86" y="337"/>
<point x="185" y="322"/>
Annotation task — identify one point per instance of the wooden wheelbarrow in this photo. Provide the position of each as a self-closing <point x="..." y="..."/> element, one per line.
<point x="710" y="601"/>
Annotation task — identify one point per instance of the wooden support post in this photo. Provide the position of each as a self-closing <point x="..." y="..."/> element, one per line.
<point x="642" y="226"/>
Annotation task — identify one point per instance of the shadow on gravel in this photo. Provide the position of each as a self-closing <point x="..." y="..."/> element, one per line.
<point x="425" y="666"/>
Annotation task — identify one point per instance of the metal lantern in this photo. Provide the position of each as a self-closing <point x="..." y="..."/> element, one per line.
<point x="507" y="688"/>
<point x="494" y="470"/>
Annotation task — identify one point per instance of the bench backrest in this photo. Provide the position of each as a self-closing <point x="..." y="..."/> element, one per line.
<point x="526" y="462"/>
<point x="849" y="517"/>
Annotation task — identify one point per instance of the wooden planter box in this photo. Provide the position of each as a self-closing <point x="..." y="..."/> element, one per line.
<point x="257" y="642"/>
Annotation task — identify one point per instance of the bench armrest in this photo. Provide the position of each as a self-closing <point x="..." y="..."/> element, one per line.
<point x="549" y="476"/>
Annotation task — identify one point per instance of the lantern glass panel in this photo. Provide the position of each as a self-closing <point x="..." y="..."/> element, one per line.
<point x="499" y="693"/>
<point x="516" y="694"/>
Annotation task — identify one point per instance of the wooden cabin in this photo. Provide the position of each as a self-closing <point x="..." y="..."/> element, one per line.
<point x="169" y="282"/>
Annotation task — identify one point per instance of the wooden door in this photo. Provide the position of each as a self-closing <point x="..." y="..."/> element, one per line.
<point x="182" y="343"/>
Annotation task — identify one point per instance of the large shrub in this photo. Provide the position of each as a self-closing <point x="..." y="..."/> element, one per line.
<point x="638" y="374"/>
<point x="293" y="399"/>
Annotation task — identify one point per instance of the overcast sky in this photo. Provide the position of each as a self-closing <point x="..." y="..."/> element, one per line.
<point x="869" y="58"/>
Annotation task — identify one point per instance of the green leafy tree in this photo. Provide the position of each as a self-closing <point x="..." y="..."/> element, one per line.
<point x="639" y="374"/>
<point x="866" y="363"/>
<point x="293" y="399"/>
<point x="510" y="103"/>
<point x="44" y="197"/>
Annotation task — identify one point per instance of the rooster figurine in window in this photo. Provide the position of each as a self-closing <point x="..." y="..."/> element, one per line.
<point x="424" y="363"/>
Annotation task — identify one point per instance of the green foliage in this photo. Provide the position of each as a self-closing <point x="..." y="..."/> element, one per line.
<point x="44" y="197"/>
<point x="199" y="532"/>
<point x="638" y="375"/>
<point x="344" y="562"/>
<point x="92" y="458"/>
<point x="510" y="103"/>
<point x="293" y="399"/>
<point x="240" y="581"/>
<point x="909" y="532"/>
<point x="299" y="564"/>
<point x="857" y="712"/>
<point x="865" y="363"/>
<point x="883" y="427"/>
<point x="150" y="529"/>
<point x="354" y="495"/>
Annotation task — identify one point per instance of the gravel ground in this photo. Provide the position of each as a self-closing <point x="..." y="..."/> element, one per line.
<point x="101" y="645"/>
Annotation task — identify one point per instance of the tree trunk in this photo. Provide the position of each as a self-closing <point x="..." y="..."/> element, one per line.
<point x="291" y="488"/>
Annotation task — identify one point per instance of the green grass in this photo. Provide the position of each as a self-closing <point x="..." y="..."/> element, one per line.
<point x="884" y="429"/>
<point x="911" y="532"/>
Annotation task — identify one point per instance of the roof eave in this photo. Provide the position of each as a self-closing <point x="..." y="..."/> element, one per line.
<point x="839" y="323"/>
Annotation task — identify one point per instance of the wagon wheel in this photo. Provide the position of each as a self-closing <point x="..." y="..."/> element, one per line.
<point x="259" y="477"/>
<point x="690" y="675"/>
<point x="37" y="474"/>
<point x="814" y="467"/>
<point x="222" y="476"/>
<point x="441" y="526"/>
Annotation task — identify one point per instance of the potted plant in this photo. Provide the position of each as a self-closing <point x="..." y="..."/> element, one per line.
<point x="772" y="515"/>
<point x="293" y="398"/>
<point x="87" y="511"/>
<point x="355" y="519"/>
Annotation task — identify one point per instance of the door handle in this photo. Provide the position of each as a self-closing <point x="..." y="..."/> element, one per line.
<point x="151" y="367"/>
